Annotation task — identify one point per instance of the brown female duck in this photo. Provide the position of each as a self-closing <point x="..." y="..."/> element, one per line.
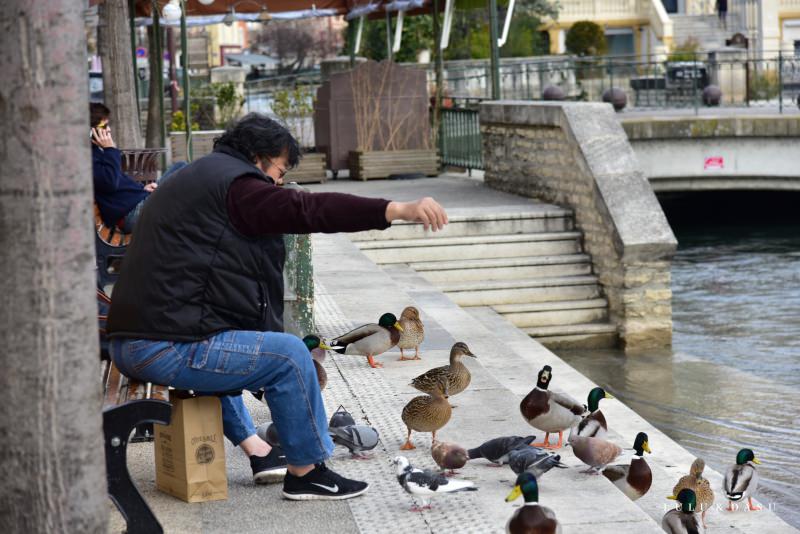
<point x="427" y="413"/>
<point x="633" y="480"/>
<point x="413" y="332"/>
<point x="700" y="485"/>
<point x="549" y="411"/>
<point x="371" y="339"/>
<point x="456" y="374"/>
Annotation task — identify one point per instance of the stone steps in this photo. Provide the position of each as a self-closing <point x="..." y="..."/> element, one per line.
<point x="703" y="28"/>
<point x="471" y="247"/>
<point x="527" y="265"/>
<point x="504" y="268"/>
<point x="550" y="219"/>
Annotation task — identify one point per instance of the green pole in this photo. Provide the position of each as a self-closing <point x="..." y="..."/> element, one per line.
<point x="388" y="36"/>
<point x="495" y="58"/>
<point x="159" y="77"/>
<point x="351" y="33"/>
<point x="780" y="81"/>
<point x="437" y="97"/>
<point x="131" y="15"/>
<point x="186" y="96"/>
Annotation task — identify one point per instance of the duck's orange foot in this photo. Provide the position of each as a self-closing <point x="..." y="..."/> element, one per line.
<point x="373" y="363"/>
<point x="752" y="507"/>
<point x="407" y="446"/>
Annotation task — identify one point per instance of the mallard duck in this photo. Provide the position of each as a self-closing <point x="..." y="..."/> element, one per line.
<point x="426" y="484"/>
<point x="449" y="456"/>
<point x="549" y="411"/>
<point x="371" y="339"/>
<point x="597" y="453"/>
<point x="741" y="480"/>
<point x="457" y="375"/>
<point x="532" y="518"/>
<point x="699" y="485"/>
<point x="633" y="480"/>
<point x="427" y="413"/>
<point x="594" y="425"/>
<point x="682" y="520"/>
<point x="413" y="332"/>
<point x="497" y="450"/>
<point x="318" y="349"/>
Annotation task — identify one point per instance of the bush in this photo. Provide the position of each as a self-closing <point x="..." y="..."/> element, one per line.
<point x="763" y="85"/>
<point x="178" y="123"/>
<point x="686" y="51"/>
<point x="586" y="38"/>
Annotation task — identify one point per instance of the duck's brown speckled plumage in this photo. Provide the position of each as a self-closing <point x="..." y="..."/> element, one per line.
<point x="427" y="413"/>
<point x="456" y="373"/>
<point x="413" y="333"/>
<point x="697" y="483"/>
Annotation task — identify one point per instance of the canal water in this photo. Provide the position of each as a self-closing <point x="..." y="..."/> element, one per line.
<point x="732" y="378"/>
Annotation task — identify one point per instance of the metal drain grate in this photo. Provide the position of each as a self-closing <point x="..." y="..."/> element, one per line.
<point x="369" y="396"/>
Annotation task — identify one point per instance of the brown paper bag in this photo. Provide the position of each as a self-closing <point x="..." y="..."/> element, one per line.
<point x="190" y="451"/>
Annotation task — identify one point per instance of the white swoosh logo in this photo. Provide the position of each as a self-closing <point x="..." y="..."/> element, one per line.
<point x="332" y="489"/>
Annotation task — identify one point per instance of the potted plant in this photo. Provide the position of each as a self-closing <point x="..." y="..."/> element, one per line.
<point x="393" y="134"/>
<point x="294" y="108"/>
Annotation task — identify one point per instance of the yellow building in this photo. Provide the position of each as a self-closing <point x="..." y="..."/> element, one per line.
<point x="653" y="27"/>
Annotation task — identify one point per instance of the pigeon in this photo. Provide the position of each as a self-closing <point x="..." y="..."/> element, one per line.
<point x="426" y="484"/>
<point x="533" y="460"/>
<point x="357" y="438"/>
<point x="496" y="450"/>
<point x="449" y="456"/>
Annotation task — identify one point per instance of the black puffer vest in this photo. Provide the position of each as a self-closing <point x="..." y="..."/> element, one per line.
<point x="188" y="274"/>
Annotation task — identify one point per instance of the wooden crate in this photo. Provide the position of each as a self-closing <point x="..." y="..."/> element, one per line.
<point x="382" y="163"/>
<point x="311" y="169"/>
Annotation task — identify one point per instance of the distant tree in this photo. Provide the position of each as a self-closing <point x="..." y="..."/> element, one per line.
<point x="119" y="83"/>
<point x="298" y="44"/>
<point x="417" y="36"/>
<point x="52" y="463"/>
<point x="586" y="38"/>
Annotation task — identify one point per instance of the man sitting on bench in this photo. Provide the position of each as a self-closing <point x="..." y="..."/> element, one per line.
<point x="199" y="304"/>
<point x="118" y="196"/>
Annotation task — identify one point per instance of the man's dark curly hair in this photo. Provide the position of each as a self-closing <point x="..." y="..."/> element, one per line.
<point x="256" y="134"/>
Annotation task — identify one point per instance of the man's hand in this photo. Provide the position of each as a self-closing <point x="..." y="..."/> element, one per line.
<point x="150" y="187"/>
<point x="425" y="210"/>
<point x="102" y="137"/>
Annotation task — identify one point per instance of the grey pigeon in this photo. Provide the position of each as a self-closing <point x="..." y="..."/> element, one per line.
<point x="496" y="450"/>
<point x="533" y="460"/>
<point x="357" y="438"/>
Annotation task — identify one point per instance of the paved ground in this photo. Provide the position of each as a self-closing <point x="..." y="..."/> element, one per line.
<point x="351" y="290"/>
<point x="702" y="111"/>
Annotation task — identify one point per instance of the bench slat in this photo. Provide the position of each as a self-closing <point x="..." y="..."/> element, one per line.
<point x="159" y="392"/>
<point x="136" y="390"/>
<point x="113" y="385"/>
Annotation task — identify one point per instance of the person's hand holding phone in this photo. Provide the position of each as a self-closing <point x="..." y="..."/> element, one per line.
<point x="101" y="136"/>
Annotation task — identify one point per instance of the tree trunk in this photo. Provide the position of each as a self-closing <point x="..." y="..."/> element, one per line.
<point x="153" y="136"/>
<point x="119" y="81"/>
<point x="52" y="461"/>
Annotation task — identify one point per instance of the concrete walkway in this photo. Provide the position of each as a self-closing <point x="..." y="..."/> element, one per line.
<point x="351" y="290"/>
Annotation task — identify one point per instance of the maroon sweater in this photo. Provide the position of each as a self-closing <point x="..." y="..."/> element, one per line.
<point x="257" y="208"/>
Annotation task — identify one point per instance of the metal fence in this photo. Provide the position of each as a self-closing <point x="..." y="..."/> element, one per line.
<point x="772" y="80"/>
<point x="460" y="138"/>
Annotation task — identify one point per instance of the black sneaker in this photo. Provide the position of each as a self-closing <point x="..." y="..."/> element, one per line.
<point x="270" y="468"/>
<point x="321" y="484"/>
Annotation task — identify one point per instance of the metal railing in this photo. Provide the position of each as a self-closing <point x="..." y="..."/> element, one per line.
<point x="770" y="81"/>
<point x="460" y="138"/>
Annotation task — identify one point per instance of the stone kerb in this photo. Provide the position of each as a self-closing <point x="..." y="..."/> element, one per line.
<point x="577" y="155"/>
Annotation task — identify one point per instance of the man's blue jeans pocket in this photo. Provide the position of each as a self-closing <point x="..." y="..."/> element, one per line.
<point x="227" y="354"/>
<point x="147" y="360"/>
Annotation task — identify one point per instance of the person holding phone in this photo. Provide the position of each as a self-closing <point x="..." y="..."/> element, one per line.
<point x="118" y="196"/>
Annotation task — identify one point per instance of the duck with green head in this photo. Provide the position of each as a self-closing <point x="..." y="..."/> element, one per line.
<point x="532" y="517"/>
<point x="549" y="411"/>
<point x="682" y="519"/>
<point x="317" y="347"/>
<point x="741" y="480"/>
<point x="594" y="425"/>
<point x="634" y="479"/>
<point x="370" y="339"/>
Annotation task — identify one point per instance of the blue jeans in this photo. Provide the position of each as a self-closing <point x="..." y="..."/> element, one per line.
<point x="237" y="359"/>
<point x="129" y="221"/>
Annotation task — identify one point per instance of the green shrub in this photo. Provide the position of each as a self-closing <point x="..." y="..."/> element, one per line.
<point x="686" y="51"/>
<point x="763" y="85"/>
<point x="178" y="123"/>
<point x="586" y="38"/>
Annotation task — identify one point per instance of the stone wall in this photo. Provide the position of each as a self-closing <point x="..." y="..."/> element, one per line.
<point x="577" y="155"/>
